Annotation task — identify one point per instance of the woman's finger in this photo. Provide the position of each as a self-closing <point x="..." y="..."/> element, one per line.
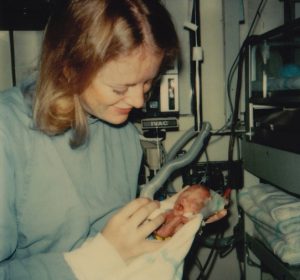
<point x="128" y="210"/>
<point x="151" y="225"/>
<point x="219" y="215"/>
<point x="141" y="214"/>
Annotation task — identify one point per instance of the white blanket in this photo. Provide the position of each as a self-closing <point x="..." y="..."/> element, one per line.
<point x="98" y="260"/>
<point x="276" y="217"/>
<point x="164" y="264"/>
<point x="286" y="247"/>
<point x="272" y="207"/>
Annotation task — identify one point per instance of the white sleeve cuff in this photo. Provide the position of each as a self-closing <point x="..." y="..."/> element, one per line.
<point x="95" y="259"/>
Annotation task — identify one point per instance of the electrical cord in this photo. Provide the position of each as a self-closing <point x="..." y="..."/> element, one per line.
<point x="195" y="66"/>
<point x="221" y="245"/>
<point x="250" y="261"/>
<point x="232" y="242"/>
<point x="209" y="261"/>
<point x="238" y="64"/>
<point x="235" y="63"/>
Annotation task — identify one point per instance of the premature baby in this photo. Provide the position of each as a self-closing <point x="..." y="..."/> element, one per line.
<point x="189" y="203"/>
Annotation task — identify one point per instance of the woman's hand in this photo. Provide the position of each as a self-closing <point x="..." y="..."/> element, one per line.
<point x="217" y="216"/>
<point x="128" y="230"/>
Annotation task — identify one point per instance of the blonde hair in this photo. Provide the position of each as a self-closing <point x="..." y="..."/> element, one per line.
<point x="81" y="36"/>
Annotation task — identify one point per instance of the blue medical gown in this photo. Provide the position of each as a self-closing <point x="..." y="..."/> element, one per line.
<point x="53" y="198"/>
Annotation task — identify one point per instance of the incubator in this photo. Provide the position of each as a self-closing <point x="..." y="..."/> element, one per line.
<point x="271" y="146"/>
<point x="271" y="151"/>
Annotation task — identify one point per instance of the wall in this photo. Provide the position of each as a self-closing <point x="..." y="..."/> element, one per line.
<point x="26" y="47"/>
<point x="5" y="66"/>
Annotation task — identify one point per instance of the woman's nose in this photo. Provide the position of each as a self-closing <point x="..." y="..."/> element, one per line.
<point x="136" y="96"/>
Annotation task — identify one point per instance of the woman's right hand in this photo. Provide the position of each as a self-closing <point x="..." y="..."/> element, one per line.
<point x="128" y="230"/>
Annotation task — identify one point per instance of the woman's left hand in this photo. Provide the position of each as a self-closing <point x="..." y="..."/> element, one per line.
<point x="217" y="216"/>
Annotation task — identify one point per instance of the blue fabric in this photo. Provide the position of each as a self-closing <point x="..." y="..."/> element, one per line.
<point x="52" y="198"/>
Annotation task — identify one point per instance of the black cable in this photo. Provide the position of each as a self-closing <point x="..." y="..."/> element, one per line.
<point x="239" y="63"/>
<point x="214" y="259"/>
<point x="12" y="57"/>
<point x="198" y="264"/>
<point x="210" y="257"/>
<point x="237" y="102"/>
<point x="234" y="65"/>
<point x="242" y="271"/>
<point x="250" y="261"/>
<point x="195" y="41"/>
<point x="197" y="62"/>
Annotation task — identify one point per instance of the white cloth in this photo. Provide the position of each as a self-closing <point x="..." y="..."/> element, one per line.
<point x="167" y="262"/>
<point x="276" y="217"/>
<point x="286" y="247"/>
<point x="272" y="207"/>
<point x="98" y="260"/>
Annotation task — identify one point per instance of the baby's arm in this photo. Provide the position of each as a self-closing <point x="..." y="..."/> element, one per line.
<point x="171" y="225"/>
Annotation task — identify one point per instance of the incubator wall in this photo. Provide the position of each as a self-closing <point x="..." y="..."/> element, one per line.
<point x="274" y="88"/>
<point x="271" y="149"/>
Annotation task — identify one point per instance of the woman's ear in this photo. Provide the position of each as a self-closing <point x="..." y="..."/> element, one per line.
<point x="67" y="73"/>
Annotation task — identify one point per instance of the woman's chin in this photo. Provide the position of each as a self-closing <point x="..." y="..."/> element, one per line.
<point x="118" y="120"/>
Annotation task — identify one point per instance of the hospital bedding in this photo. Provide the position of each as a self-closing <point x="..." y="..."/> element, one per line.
<point x="276" y="218"/>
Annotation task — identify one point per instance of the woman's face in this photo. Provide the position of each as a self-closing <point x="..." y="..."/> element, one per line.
<point x="121" y="85"/>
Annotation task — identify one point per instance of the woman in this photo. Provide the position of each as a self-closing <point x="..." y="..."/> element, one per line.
<point x="68" y="164"/>
<point x="70" y="159"/>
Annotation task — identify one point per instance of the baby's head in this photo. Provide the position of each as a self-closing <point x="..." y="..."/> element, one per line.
<point x="192" y="200"/>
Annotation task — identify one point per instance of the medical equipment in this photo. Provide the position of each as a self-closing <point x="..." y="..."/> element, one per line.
<point x="150" y="188"/>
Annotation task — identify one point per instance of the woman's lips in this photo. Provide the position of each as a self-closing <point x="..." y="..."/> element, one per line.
<point x="123" y="111"/>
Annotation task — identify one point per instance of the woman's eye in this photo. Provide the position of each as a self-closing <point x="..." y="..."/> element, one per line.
<point x="120" y="91"/>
